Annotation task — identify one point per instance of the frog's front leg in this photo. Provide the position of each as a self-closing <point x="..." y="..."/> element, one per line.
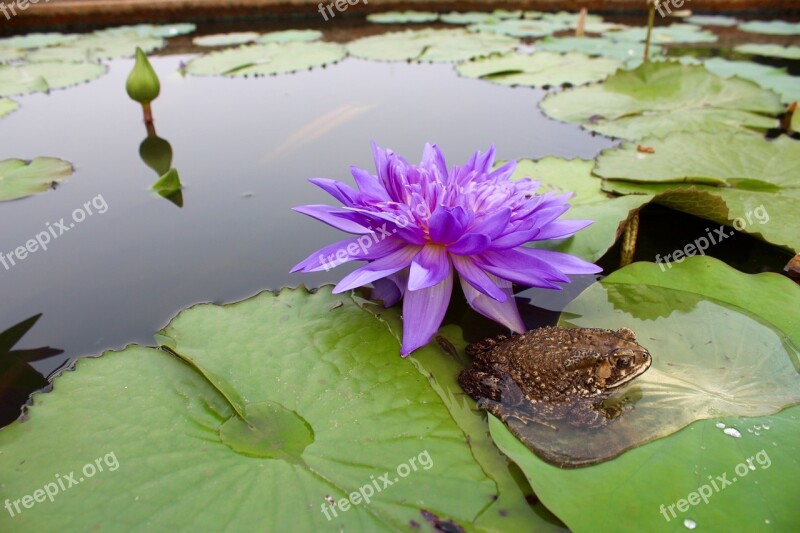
<point x="505" y="411"/>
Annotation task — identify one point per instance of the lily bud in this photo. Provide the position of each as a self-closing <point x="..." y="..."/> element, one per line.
<point x="143" y="85"/>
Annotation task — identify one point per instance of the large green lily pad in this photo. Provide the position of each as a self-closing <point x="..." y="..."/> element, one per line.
<point x="609" y="213"/>
<point x="97" y="46"/>
<point x="769" y="50"/>
<point x="19" y="178"/>
<point x="196" y="423"/>
<point x="540" y="69"/>
<point x="7" y="106"/>
<point x="43" y="77"/>
<point x="264" y="59"/>
<point x="674" y="33"/>
<point x="665" y="97"/>
<point x="754" y="177"/>
<point x="431" y="45"/>
<point x="402" y="17"/>
<point x="521" y="27"/>
<point x="659" y="474"/>
<point x="771" y="27"/>
<point x="772" y="78"/>
<point x="598" y="46"/>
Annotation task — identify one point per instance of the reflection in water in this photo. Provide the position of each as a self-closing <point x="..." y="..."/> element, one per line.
<point x="17" y="378"/>
<point x="157" y="154"/>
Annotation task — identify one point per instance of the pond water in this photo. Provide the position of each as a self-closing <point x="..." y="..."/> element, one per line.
<point x="244" y="149"/>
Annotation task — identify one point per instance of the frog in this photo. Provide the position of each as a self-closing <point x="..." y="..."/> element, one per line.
<point x="554" y="374"/>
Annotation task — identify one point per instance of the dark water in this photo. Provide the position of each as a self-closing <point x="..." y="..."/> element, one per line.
<point x="244" y="149"/>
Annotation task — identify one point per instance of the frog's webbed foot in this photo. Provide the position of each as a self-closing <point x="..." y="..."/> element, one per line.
<point x="504" y="412"/>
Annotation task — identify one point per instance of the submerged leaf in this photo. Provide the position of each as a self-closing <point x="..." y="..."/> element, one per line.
<point x="19" y="178"/>
<point x="661" y="98"/>
<point x="430" y="45"/>
<point x="540" y="69"/>
<point x="264" y="59"/>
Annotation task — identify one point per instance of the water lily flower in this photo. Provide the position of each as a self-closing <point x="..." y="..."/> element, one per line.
<point x="415" y="224"/>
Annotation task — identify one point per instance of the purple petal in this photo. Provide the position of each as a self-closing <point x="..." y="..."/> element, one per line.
<point x="433" y="157"/>
<point x="503" y="312"/>
<point x="379" y="268"/>
<point x="429" y="267"/>
<point x="446" y="225"/>
<point x="423" y="312"/>
<point x="369" y="184"/>
<point x="569" y="264"/>
<point x="558" y="229"/>
<point x="327" y="214"/>
<point x="513" y="265"/>
<point x="363" y="248"/>
<point x="386" y="290"/>
<point x="470" y="244"/>
<point x="319" y="259"/>
<point x="477" y="277"/>
<point x="492" y="225"/>
<point x="341" y="191"/>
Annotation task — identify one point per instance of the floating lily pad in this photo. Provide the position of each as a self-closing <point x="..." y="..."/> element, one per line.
<point x="596" y="46"/>
<point x="769" y="50"/>
<point x="772" y="78"/>
<point x="430" y="45"/>
<point x="19" y="178"/>
<point x="94" y="47"/>
<point x="540" y="69"/>
<point x="520" y="28"/>
<point x="150" y="30"/>
<point x="794" y="125"/>
<point x="45" y="76"/>
<point x="674" y="33"/>
<point x="661" y="473"/>
<point x="37" y="40"/>
<point x="402" y="17"/>
<point x="609" y="213"/>
<point x="713" y="20"/>
<point x="226" y="39"/>
<point x="257" y="406"/>
<point x="771" y="27"/>
<point x="7" y="55"/>
<point x="468" y="17"/>
<point x="661" y="98"/>
<point x="7" y="106"/>
<point x="286" y="36"/>
<point x="264" y="59"/>
<point x="692" y="171"/>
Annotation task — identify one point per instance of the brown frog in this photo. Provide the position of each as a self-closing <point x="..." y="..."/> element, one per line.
<point x="554" y="373"/>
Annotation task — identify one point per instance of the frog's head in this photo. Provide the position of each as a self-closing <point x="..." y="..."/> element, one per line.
<point x="626" y="361"/>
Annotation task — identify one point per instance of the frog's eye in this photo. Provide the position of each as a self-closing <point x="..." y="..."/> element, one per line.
<point x="624" y="362"/>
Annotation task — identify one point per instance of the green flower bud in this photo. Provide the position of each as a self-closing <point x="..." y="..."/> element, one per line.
<point x="143" y="85"/>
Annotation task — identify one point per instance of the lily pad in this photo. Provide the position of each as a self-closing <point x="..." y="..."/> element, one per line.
<point x="794" y="125"/>
<point x="540" y="69"/>
<point x="609" y="213"/>
<point x="402" y="17"/>
<point x="150" y="30"/>
<point x="674" y="33"/>
<point x="745" y="171"/>
<point x="94" y="47"/>
<point x="431" y="45"/>
<point x="226" y="39"/>
<point x="520" y="28"/>
<point x="45" y="76"/>
<point x="257" y="406"/>
<point x="661" y="98"/>
<point x="771" y="27"/>
<point x="7" y="106"/>
<point x="37" y="40"/>
<point x="663" y="472"/>
<point x="597" y="46"/>
<point x="19" y="178"/>
<point x="772" y="78"/>
<point x="467" y="17"/>
<point x="713" y="20"/>
<point x="264" y="59"/>
<point x="286" y="36"/>
<point x="7" y="55"/>
<point x="769" y="50"/>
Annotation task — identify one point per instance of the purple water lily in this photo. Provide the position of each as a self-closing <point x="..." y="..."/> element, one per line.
<point x="415" y="223"/>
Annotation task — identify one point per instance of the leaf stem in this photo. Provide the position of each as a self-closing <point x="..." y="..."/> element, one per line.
<point x="651" y="17"/>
